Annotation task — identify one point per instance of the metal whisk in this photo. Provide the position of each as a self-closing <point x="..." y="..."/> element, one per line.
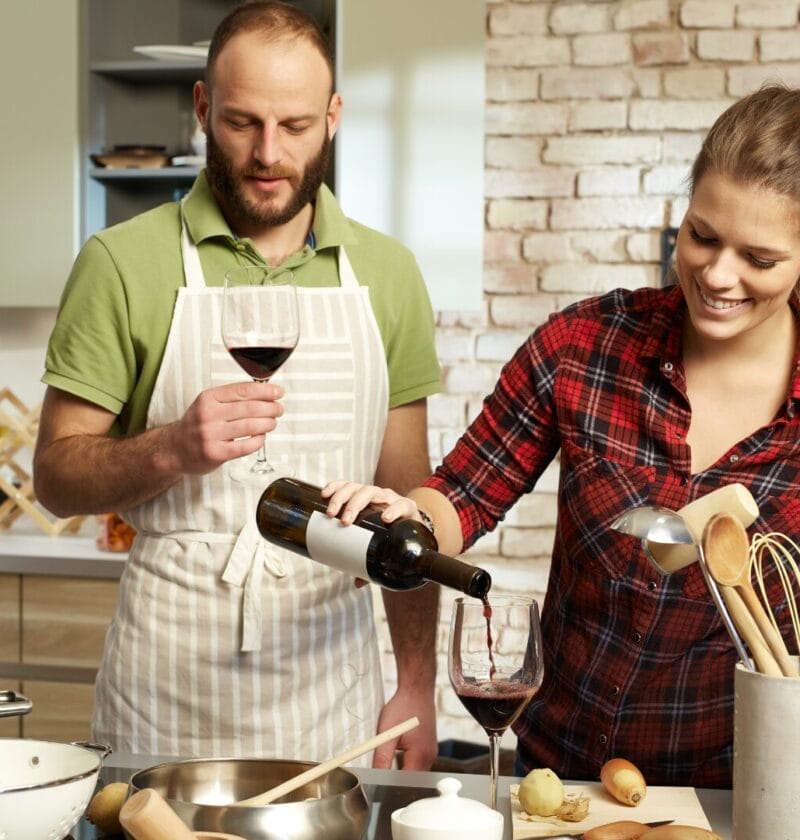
<point x="780" y="550"/>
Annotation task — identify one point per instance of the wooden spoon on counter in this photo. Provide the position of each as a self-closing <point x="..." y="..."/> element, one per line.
<point x="147" y="816"/>
<point x="331" y="764"/>
<point x="726" y="549"/>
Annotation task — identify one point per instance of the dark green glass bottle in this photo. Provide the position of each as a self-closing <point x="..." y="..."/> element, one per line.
<point x="398" y="555"/>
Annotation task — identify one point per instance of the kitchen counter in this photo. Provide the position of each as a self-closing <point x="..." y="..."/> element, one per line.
<point x="28" y="553"/>
<point x="393" y="789"/>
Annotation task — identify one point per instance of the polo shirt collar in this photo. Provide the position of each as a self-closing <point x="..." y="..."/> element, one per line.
<point x="204" y="219"/>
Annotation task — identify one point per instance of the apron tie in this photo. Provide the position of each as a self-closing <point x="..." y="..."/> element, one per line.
<point x="245" y="569"/>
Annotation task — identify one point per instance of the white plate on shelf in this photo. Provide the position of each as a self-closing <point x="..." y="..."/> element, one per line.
<point x="170" y="52"/>
<point x="188" y="160"/>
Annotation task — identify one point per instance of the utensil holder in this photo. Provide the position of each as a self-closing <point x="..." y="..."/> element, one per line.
<point x="766" y="742"/>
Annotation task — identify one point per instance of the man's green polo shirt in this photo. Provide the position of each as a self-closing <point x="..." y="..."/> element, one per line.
<point x="116" y="308"/>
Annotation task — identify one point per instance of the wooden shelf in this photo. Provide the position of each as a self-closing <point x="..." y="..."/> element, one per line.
<point x="174" y="173"/>
<point x="150" y="70"/>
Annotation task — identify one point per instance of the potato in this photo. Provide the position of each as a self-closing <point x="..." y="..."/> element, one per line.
<point x="541" y="792"/>
<point x="105" y="806"/>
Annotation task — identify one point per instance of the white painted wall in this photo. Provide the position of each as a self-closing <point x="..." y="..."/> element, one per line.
<point x="23" y="342"/>
<point x="410" y="146"/>
<point x="39" y="148"/>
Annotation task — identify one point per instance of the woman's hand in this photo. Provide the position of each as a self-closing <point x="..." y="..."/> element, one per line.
<point x="349" y="498"/>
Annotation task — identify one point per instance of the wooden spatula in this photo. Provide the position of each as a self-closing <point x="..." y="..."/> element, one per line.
<point x="331" y="764"/>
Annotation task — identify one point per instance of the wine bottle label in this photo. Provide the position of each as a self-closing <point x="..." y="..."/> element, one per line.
<point x="342" y="547"/>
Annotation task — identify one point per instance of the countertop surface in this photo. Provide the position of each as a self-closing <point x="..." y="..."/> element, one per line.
<point x="393" y="789"/>
<point x="28" y="552"/>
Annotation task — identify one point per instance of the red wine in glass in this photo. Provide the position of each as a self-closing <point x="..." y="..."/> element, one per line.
<point x="495" y="704"/>
<point x="495" y="664"/>
<point x="260" y="329"/>
<point x="260" y="363"/>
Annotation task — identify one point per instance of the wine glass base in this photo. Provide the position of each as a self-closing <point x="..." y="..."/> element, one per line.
<point x="247" y="472"/>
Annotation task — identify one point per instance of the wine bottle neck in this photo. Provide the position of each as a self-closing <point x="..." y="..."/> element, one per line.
<point x="471" y="580"/>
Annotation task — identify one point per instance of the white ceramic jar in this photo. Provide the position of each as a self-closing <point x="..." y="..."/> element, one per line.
<point x="447" y="817"/>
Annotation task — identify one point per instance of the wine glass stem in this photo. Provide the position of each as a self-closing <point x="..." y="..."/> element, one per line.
<point x="261" y="465"/>
<point x="494" y="768"/>
<point x="261" y="458"/>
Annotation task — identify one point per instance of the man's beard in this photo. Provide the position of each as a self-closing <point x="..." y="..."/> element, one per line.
<point x="227" y="184"/>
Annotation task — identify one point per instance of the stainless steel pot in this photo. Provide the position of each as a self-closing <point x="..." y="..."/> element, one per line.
<point x="201" y="792"/>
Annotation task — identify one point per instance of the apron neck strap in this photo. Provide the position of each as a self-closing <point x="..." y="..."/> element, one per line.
<point x="347" y="277"/>
<point x="192" y="270"/>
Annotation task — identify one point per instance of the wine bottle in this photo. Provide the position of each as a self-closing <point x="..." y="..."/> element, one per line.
<point x="397" y="555"/>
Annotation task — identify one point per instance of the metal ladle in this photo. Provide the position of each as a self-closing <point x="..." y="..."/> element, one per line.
<point x="662" y="525"/>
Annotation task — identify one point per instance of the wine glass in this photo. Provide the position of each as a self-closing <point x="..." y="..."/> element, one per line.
<point x="496" y="665"/>
<point x="260" y="329"/>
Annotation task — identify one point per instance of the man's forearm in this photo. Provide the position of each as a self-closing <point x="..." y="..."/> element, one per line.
<point x="413" y="619"/>
<point x="87" y="474"/>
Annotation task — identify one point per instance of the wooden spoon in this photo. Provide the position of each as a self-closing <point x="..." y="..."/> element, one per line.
<point x="726" y="550"/>
<point x="730" y="498"/>
<point x="147" y="816"/>
<point x="331" y="764"/>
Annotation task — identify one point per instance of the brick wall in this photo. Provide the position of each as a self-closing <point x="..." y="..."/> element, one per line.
<point x="594" y="112"/>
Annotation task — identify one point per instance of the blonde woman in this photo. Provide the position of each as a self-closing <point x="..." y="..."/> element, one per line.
<point x="654" y="396"/>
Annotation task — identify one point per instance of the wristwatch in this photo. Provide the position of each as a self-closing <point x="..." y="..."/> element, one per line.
<point x="426" y="519"/>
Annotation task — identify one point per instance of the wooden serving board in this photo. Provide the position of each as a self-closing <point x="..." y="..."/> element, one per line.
<point x="661" y="803"/>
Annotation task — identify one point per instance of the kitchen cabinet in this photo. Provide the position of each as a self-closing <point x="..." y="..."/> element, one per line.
<point x="59" y="634"/>
<point x="64" y="620"/>
<point x="62" y="711"/>
<point x="9" y="643"/>
<point x="52" y="630"/>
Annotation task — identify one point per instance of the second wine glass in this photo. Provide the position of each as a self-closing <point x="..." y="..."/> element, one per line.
<point x="260" y="329"/>
<point x="496" y="665"/>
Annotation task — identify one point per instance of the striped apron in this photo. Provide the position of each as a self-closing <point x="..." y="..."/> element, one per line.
<point x="222" y="644"/>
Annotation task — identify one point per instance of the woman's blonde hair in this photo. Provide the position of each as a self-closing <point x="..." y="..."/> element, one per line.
<point x="756" y="142"/>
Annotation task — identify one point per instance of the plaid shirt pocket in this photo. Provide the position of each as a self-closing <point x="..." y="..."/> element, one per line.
<point x="594" y="492"/>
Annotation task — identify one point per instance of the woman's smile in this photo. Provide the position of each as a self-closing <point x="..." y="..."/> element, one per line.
<point x="719" y="304"/>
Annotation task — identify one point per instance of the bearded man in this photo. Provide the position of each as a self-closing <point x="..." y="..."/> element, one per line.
<point x="222" y="645"/>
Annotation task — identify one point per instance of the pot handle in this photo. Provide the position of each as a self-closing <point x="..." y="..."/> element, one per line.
<point x="13" y="703"/>
<point x="104" y="749"/>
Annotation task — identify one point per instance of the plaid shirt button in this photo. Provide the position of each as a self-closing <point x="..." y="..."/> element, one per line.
<point x="734" y="458"/>
<point x="652" y="586"/>
<point x="603" y="739"/>
<point x="614" y="690"/>
<point x="637" y="637"/>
